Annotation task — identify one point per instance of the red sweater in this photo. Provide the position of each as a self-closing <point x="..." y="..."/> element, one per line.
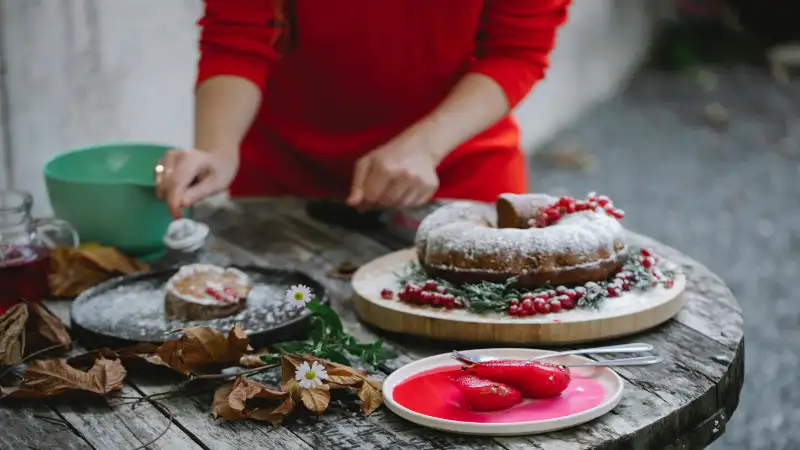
<point x="343" y="77"/>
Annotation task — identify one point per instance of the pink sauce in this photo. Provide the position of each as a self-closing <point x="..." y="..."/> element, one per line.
<point x="431" y="393"/>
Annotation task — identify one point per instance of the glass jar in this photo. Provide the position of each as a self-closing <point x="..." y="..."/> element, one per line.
<point x="25" y="245"/>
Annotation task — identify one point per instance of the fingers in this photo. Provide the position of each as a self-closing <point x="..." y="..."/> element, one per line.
<point x="356" y="197"/>
<point x="164" y="169"/>
<point x="206" y="187"/>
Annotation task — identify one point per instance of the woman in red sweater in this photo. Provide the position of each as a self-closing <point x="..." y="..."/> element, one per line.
<point x="382" y="103"/>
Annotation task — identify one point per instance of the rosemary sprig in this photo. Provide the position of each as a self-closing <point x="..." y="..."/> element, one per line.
<point x="486" y="296"/>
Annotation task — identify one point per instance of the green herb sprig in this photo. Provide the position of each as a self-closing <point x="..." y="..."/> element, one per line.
<point x="329" y="340"/>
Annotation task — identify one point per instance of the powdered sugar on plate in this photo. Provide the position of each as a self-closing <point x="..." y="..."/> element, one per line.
<point x="132" y="308"/>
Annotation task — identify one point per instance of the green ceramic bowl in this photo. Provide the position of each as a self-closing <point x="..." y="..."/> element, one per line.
<point x="107" y="192"/>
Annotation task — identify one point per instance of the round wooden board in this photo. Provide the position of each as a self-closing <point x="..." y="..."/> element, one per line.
<point x="624" y="315"/>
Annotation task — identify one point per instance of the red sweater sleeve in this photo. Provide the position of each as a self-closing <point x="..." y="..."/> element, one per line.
<point x="514" y="42"/>
<point x="239" y="37"/>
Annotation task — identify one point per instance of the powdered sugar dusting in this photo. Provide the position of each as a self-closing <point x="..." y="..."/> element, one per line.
<point x="462" y="234"/>
<point x="135" y="310"/>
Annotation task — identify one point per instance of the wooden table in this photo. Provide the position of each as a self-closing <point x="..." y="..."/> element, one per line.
<point x="683" y="403"/>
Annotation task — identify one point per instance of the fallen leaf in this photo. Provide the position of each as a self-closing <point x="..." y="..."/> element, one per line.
<point x="73" y="270"/>
<point x="254" y="359"/>
<point x="12" y="334"/>
<point x="339" y="376"/>
<point x="371" y="396"/>
<point x="111" y="260"/>
<point x="317" y="398"/>
<point x="202" y="346"/>
<point x="53" y="377"/>
<point x="43" y="329"/>
<point x="246" y="398"/>
<point x="138" y="352"/>
<point x="110" y="373"/>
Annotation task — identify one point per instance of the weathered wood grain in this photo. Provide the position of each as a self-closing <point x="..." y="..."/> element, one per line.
<point x="192" y="414"/>
<point x="124" y="426"/>
<point x="30" y="426"/>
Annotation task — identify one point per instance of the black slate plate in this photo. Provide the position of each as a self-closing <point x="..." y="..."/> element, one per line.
<point x="131" y="309"/>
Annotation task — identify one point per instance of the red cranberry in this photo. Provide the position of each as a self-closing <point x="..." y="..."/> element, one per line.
<point x="648" y="262"/>
<point x="668" y="284"/>
<point x="540" y="300"/>
<point x="645" y="252"/>
<point x="603" y="200"/>
<point x="441" y="289"/>
<point x="613" y="291"/>
<point x="553" y="215"/>
<point x="387" y="294"/>
<point x="514" y="301"/>
<point x="561" y="290"/>
<point x="617" y="213"/>
<point x="436" y="299"/>
<point x="592" y="196"/>
<point x="528" y="295"/>
<point x="567" y="303"/>
<point x="555" y="305"/>
<point x="527" y="305"/>
<point x="580" y="290"/>
<point x="571" y="293"/>
<point x="430" y="285"/>
<point x="564" y="201"/>
<point x="549" y="293"/>
<point x="458" y="303"/>
<point x="542" y="307"/>
<point x="513" y="310"/>
<point x="426" y="297"/>
<point x="448" y="299"/>
<point x="592" y="205"/>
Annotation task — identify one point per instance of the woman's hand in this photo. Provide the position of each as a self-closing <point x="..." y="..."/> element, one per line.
<point x="188" y="176"/>
<point x="401" y="173"/>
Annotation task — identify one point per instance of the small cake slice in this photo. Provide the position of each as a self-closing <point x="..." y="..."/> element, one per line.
<point x="204" y="292"/>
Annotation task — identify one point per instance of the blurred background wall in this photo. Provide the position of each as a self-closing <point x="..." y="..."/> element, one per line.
<point x="79" y="72"/>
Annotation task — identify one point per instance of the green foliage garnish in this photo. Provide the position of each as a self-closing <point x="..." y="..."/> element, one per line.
<point x="328" y="340"/>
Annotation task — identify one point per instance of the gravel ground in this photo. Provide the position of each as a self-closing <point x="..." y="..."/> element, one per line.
<point x="710" y="164"/>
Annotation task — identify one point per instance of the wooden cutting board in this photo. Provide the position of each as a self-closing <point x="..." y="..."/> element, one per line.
<point x="620" y="316"/>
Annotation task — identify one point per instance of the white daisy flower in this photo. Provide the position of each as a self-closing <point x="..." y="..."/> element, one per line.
<point x="310" y="376"/>
<point x="299" y="293"/>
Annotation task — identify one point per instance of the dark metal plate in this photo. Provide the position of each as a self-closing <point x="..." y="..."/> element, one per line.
<point x="131" y="309"/>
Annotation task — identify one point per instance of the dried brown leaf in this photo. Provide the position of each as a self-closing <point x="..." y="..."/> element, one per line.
<point x="12" y="334"/>
<point x="54" y="377"/>
<point x="246" y="398"/>
<point x="254" y="359"/>
<point x="289" y="366"/>
<point x="43" y="329"/>
<point x="202" y="346"/>
<point x="371" y="396"/>
<point x="75" y="270"/>
<point x="343" y="375"/>
<point x="110" y="373"/>
<point x="317" y="398"/>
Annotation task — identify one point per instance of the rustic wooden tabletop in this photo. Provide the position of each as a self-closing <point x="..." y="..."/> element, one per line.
<point x="683" y="403"/>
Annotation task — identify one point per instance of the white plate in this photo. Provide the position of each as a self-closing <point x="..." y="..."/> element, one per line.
<point x="611" y="382"/>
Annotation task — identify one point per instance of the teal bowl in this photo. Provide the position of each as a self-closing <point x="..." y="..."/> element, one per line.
<point x="107" y="192"/>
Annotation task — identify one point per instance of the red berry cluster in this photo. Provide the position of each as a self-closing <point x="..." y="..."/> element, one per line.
<point x="545" y="302"/>
<point x="649" y="263"/>
<point x="568" y="205"/>
<point x="227" y="295"/>
<point x="427" y="293"/>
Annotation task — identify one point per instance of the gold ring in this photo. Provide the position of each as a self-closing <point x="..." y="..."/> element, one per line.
<point x="159" y="171"/>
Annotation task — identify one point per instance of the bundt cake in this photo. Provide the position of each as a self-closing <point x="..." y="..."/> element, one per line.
<point x="540" y="239"/>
